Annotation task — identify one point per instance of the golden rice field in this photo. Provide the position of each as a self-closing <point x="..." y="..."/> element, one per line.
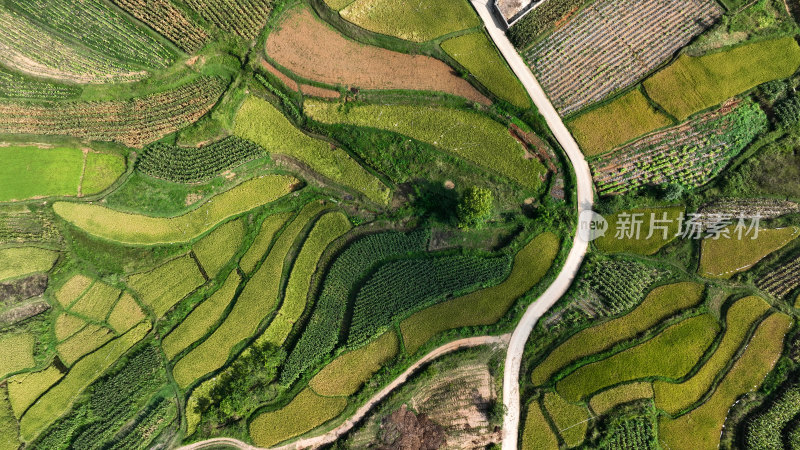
<point x="345" y="375"/>
<point x="729" y="255"/>
<point x="20" y="261"/>
<point x="162" y="287"/>
<point x="307" y="411"/>
<point x="139" y="229"/>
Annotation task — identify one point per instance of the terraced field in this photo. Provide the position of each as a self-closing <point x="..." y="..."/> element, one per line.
<point x="256" y="220"/>
<point x="133" y="122"/>
<point x="468" y="135"/>
<point x="693" y="84"/>
<point x="414" y="22"/>
<point x="689" y="154"/>
<point x="611" y="44"/>
<point x="139" y="229"/>
<point x="314" y="51"/>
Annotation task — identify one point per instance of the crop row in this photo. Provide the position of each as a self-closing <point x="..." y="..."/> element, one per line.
<point x="485" y="306"/>
<point x="256" y="300"/>
<point x="167" y="19"/>
<point x="328" y="228"/>
<point x="100" y="27"/>
<point x="782" y="280"/>
<point x="689" y="154"/>
<point x="147" y="426"/>
<point x="765" y="428"/>
<point x="545" y="16"/>
<point x="401" y="287"/>
<point x="15" y="86"/>
<point x="134" y="122"/>
<point x="621" y="283"/>
<point x="608" y="287"/>
<point x="637" y="432"/>
<point x="192" y="165"/>
<point x="111" y="403"/>
<point x="20" y="224"/>
<point x="29" y="48"/>
<point x="246" y="18"/>
<point x="747" y="208"/>
<point x="345" y="273"/>
<point x="60" y="398"/>
<point x="584" y="61"/>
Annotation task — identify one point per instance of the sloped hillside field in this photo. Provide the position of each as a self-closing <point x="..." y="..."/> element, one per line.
<point x="320" y="223"/>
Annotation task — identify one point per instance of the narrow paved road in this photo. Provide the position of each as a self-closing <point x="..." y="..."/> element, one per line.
<point x="516" y="344"/>
<point x="348" y="424"/>
<point x="579" y="246"/>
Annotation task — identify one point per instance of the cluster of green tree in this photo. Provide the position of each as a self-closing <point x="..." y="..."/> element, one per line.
<point x="247" y="383"/>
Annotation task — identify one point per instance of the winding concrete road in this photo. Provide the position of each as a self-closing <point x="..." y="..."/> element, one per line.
<point x="574" y="259"/>
<point x="516" y="341"/>
<point x="347" y="425"/>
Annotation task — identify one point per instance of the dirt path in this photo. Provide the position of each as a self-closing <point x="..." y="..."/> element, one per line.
<point x="574" y="259"/>
<point x="348" y="424"/>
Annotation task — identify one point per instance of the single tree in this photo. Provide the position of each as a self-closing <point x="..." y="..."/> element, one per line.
<point x="475" y="207"/>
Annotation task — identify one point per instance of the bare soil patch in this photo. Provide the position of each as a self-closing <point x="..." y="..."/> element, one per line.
<point x="290" y="83"/>
<point x="316" y="91"/>
<point x="404" y="430"/>
<point x="192" y="198"/>
<point x="22" y="289"/>
<point x="23" y="312"/>
<point x="311" y="49"/>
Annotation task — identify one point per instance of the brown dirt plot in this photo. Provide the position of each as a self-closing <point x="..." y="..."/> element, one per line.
<point x="311" y="49"/>
<point x="316" y="91"/>
<point x="290" y="83"/>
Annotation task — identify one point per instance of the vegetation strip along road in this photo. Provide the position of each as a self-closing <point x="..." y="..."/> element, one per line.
<point x="339" y="431"/>
<point x="585" y="199"/>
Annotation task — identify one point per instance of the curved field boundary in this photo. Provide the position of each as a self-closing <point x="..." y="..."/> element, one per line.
<point x="258" y="298"/>
<point x="685" y="342"/>
<point x="466" y="134"/>
<point x="584" y="201"/>
<point x="661" y="303"/>
<point x="740" y="320"/>
<point x="130" y="228"/>
<point x="724" y="257"/>
<point x="339" y="431"/>
<point x="485" y="306"/>
<point x="692" y="84"/>
<point x="416" y="22"/>
<point x="308" y="47"/>
<point x="132" y="122"/>
<point x="701" y="428"/>
<point x="259" y="121"/>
